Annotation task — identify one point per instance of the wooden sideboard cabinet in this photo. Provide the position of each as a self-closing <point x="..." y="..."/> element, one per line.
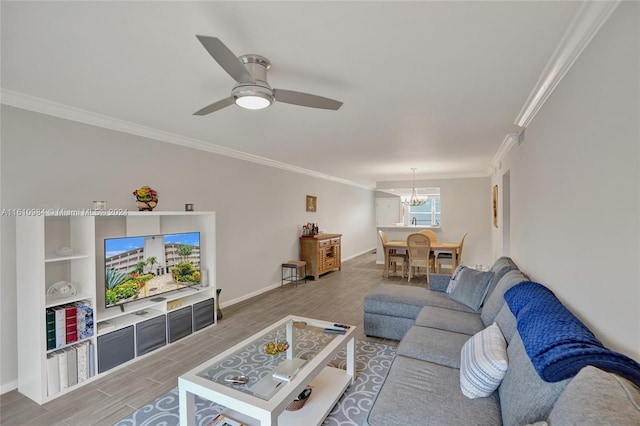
<point x="321" y="252"/>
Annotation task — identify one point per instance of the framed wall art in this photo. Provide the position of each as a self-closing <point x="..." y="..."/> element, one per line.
<point x="312" y="203"/>
<point x="495" y="206"/>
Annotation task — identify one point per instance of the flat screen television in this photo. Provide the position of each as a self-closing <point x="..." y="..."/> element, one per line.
<point x="147" y="266"/>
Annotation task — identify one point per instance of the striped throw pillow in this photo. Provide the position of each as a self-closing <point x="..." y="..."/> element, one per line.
<point x="483" y="362"/>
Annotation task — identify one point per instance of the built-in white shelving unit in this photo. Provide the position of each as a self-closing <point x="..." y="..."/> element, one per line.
<point x="44" y="259"/>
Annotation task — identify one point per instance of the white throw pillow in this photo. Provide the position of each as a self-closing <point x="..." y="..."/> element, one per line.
<point x="453" y="282"/>
<point x="483" y="362"/>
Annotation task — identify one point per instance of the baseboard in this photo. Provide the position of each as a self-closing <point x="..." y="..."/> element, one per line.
<point x="249" y="296"/>
<point x="278" y="284"/>
<point x="8" y="387"/>
<point x="358" y="254"/>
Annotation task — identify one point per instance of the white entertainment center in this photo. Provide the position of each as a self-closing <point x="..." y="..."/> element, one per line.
<point x="68" y="247"/>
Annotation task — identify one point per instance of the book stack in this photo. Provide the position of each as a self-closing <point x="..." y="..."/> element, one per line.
<point x="69" y="366"/>
<point x="84" y="320"/>
<point x="69" y="323"/>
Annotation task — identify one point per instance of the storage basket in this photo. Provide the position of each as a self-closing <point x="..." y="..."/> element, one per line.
<point x="299" y="402"/>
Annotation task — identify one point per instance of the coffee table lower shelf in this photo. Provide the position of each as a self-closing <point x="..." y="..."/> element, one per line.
<point x="327" y="389"/>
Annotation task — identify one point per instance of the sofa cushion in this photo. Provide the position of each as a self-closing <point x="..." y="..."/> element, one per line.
<point x="507" y="323"/>
<point x="407" y="301"/>
<point x="442" y="300"/>
<point x="502" y="262"/>
<point x="450" y="320"/>
<point x="396" y="300"/>
<point x="471" y="287"/>
<point x="483" y="362"/>
<point x="439" y="282"/>
<point x="385" y="326"/>
<point x="422" y="393"/>
<point x="524" y="396"/>
<point x="433" y="345"/>
<point x="494" y="301"/>
<point x="596" y="397"/>
<point x="500" y="267"/>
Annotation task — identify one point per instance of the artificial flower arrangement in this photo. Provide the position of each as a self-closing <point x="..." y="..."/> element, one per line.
<point x="146" y="198"/>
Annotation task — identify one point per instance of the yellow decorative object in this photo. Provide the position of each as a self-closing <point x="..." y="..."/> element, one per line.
<point x="274" y="348"/>
<point x="174" y="304"/>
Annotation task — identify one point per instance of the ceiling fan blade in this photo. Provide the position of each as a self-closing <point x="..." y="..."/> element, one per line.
<point x="226" y="58"/>
<point x="305" y="99"/>
<point x="215" y="106"/>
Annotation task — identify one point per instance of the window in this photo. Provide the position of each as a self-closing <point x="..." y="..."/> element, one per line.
<point x="427" y="214"/>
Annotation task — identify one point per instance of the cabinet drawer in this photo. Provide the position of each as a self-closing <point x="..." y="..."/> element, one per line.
<point x="179" y="323"/>
<point x="151" y="335"/>
<point x="324" y="243"/>
<point x="115" y="348"/>
<point x="335" y="241"/>
<point x="329" y="263"/>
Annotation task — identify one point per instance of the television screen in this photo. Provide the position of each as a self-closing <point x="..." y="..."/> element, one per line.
<point x="147" y="266"/>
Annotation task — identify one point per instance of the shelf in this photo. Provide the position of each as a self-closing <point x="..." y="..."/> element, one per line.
<point x="125" y="320"/>
<point x="168" y="213"/>
<point x="86" y="339"/>
<point x="190" y="294"/>
<point x="327" y="389"/>
<point x="116" y="313"/>
<point x="63" y="301"/>
<point x="54" y="258"/>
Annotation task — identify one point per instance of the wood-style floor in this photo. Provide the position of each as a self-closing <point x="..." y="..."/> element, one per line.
<point x="336" y="296"/>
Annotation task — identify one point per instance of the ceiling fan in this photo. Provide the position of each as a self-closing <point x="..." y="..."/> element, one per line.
<point x="252" y="91"/>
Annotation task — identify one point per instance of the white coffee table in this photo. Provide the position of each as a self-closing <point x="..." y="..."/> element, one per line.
<point x="263" y="400"/>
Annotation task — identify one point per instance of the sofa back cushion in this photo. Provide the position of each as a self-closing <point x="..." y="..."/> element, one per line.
<point x="500" y="267"/>
<point x="507" y="323"/>
<point x="495" y="300"/>
<point x="524" y="396"/>
<point x="596" y="397"/>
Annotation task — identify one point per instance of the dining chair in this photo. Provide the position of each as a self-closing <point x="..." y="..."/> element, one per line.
<point x="432" y="257"/>
<point x="394" y="257"/>
<point x="429" y="233"/>
<point x="419" y="248"/>
<point x="446" y="258"/>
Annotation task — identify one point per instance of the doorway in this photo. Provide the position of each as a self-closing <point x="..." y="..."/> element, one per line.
<point x="506" y="213"/>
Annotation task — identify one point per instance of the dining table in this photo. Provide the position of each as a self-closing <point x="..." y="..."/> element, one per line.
<point x="436" y="246"/>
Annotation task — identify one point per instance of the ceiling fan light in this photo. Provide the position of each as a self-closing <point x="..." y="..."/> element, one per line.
<point x="255" y="101"/>
<point x="252" y="96"/>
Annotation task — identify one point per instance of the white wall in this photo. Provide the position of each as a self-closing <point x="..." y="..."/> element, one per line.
<point x="575" y="187"/>
<point x="466" y="207"/>
<point x="50" y="162"/>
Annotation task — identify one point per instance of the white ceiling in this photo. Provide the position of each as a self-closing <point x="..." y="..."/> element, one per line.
<point x="432" y="85"/>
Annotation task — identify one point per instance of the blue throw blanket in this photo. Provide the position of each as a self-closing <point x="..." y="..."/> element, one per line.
<point x="557" y="342"/>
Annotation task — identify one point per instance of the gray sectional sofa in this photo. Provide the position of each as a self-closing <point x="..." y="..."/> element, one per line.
<point x="423" y="386"/>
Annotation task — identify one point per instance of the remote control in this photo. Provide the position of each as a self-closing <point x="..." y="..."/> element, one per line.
<point x="334" y="331"/>
<point x="342" y="326"/>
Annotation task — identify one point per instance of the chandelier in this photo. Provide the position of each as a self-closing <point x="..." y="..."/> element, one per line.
<point x="414" y="200"/>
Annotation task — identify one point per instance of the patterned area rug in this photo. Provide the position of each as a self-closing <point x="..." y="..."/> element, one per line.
<point x="372" y="364"/>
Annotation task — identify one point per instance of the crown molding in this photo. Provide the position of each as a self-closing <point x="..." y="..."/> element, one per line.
<point x="509" y="141"/>
<point x="43" y="106"/>
<point x="584" y="26"/>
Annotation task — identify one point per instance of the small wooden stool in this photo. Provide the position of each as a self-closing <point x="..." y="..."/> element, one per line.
<point x="291" y="266"/>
